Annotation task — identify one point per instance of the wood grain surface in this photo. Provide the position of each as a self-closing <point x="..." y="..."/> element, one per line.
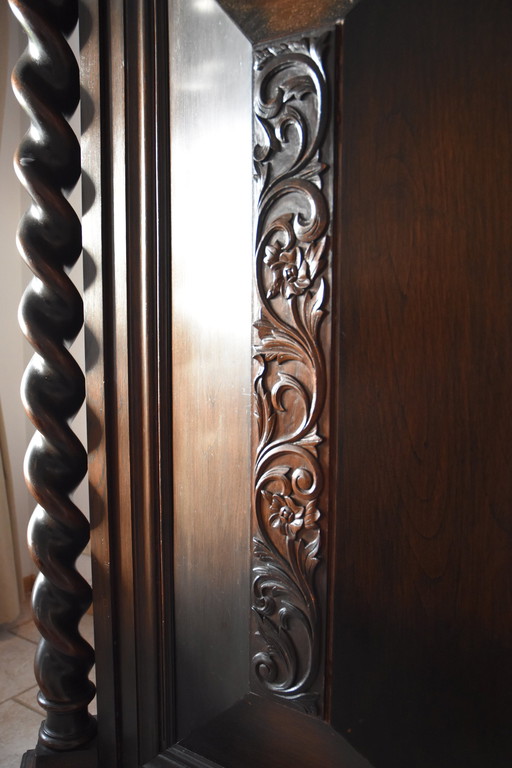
<point x="262" y="20"/>
<point x="423" y="603"/>
<point x="126" y="228"/>
<point x="420" y="626"/>
<point x="257" y="732"/>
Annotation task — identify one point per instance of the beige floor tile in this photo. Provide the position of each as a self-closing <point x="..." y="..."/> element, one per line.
<point x="25" y="615"/>
<point x="29" y="699"/>
<point x="16" y="665"/>
<point x="19" y="727"/>
<point x="28" y="631"/>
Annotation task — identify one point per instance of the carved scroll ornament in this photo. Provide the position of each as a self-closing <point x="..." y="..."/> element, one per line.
<point x="292" y="279"/>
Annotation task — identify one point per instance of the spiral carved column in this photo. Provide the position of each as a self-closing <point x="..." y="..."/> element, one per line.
<point x="46" y="83"/>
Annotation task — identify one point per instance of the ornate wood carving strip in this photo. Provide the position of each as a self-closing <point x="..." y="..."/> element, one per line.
<point x="46" y="83"/>
<point x="293" y="198"/>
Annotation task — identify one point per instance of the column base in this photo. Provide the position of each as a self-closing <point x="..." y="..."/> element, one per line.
<point x="42" y="757"/>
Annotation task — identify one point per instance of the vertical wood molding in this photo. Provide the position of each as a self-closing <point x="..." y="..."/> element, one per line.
<point x="293" y="163"/>
<point x="126" y="234"/>
<point x="46" y="83"/>
<point x="97" y="164"/>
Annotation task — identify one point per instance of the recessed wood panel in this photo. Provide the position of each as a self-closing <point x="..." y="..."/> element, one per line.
<point x="424" y="602"/>
<point x="257" y="732"/>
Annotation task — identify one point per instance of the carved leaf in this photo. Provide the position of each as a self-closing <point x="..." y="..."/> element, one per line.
<point x="311" y="554"/>
<point x="310" y="441"/>
<point x="280" y="348"/>
<point x="284" y="382"/>
<point x="261" y="551"/>
<point x="315" y="256"/>
<point x="266" y="417"/>
<point x="313" y="309"/>
<point x="279" y="472"/>
<point x="291" y="256"/>
<point x="264" y="328"/>
<point x="313" y="172"/>
<point x="298" y="87"/>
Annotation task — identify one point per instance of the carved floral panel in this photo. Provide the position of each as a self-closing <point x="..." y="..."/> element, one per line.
<point x="293" y="199"/>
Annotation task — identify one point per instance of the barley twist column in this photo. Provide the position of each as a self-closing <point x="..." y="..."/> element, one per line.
<point x="46" y="83"/>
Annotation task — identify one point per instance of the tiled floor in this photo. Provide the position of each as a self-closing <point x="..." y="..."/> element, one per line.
<point x="20" y="714"/>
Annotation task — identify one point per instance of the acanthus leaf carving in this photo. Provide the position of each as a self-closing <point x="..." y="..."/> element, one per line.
<point x="292" y="277"/>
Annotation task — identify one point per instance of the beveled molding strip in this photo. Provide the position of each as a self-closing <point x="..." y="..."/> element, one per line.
<point x="46" y="83"/>
<point x="293" y="178"/>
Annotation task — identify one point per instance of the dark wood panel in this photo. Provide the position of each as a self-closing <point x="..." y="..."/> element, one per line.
<point x="257" y="732"/>
<point x="422" y="604"/>
<point x="423" y="601"/>
<point x="98" y="349"/>
<point x="263" y="20"/>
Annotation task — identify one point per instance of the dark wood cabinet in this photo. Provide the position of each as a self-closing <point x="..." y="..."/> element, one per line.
<point x="297" y="248"/>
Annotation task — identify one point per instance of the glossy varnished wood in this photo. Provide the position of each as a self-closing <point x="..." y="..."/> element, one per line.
<point x="46" y="83"/>
<point x="263" y="20"/>
<point x="418" y="633"/>
<point x="128" y="301"/>
<point x="98" y="346"/>
<point x="257" y="732"/>
<point x="423" y="604"/>
<point x="211" y="135"/>
<point x="292" y="500"/>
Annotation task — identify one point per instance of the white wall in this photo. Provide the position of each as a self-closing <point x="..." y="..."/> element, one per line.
<point x="15" y="352"/>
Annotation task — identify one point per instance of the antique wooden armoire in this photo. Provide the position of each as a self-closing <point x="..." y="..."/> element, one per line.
<point x="297" y="249"/>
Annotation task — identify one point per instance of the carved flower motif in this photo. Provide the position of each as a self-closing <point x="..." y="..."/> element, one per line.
<point x="290" y="271"/>
<point x="285" y="514"/>
<point x="294" y="271"/>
